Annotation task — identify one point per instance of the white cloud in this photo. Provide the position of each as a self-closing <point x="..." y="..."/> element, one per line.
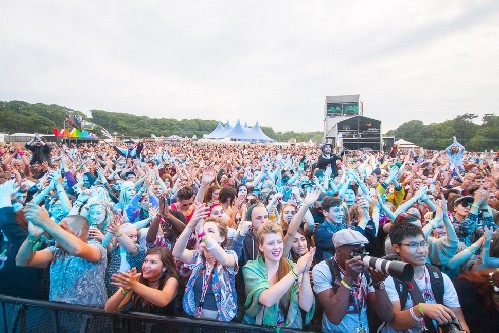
<point x="273" y="61"/>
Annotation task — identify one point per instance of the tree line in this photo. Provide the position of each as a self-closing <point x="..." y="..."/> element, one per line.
<point x="19" y="116"/>
<point x="474" y="137"/>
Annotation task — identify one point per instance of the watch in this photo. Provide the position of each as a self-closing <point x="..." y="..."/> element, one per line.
<point x="379" y="285"/>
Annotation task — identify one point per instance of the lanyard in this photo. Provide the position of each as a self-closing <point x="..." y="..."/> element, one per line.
<point x="426" y="293"/>
<point x="206" y="282"/>
<point x="356" y="296"/>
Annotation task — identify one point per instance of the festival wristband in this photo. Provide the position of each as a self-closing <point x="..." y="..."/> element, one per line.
<point x="201" y="235"/>
<point x="294" y="274"/>
<point x="36" y="241"/>
<point x="344" y="284"/>
<point x="420" y="308"/>
<point x="118" y="234"/>
<point x="124" y="292"/>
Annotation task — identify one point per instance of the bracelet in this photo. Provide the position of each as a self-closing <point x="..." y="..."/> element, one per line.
<point x="124" y="292"/>
<point x="36" y="241"/>
<point x="118" y="234"/>
<point x="475" y="206"/>
<point x="294" y="274"/>
<point x="416" y="318"/>
<point x="33" y="239"/>
<point x="20" y="153"/>
<point x="201" y="235"/>
<point x="420" y="308"/>
<point x="344" y="284"/>
<point x="470" y="250"/>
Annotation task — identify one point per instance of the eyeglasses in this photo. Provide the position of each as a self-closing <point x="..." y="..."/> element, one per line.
<point x="464" y="204"/>
<point x="414" y="245"/>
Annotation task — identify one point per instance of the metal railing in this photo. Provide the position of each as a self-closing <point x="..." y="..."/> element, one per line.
<point x="19" y="315"/>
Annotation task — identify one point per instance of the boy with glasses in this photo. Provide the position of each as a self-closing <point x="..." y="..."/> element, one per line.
<point x="430" y="298"/>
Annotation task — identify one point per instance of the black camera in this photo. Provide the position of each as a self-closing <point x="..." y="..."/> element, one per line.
<point x="452" y="327"/>
<point x="394" y="268"/>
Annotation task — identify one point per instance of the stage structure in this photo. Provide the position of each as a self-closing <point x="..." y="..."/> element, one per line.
<point x="345" y="124"/>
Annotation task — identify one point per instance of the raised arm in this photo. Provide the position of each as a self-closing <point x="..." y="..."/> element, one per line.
<point x="179" y="250"/>
<point x="405" y="206"/>
<point x="272" y="295"/>
<point x="296" y="220"/>
<point x="67" y="240"/>
<point x="224" y="258"/>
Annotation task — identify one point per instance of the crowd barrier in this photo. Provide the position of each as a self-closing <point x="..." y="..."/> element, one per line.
<point x="25" y="316"/>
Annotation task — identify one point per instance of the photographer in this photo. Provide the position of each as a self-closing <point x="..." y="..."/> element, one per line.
<point x="430" y="298"/>
<point x="40" y="150"/>
<point x="344" y="287"/>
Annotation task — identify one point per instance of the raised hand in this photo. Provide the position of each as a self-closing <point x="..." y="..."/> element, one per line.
<point x="114" y="225"/>
<point x="312" y="197"/>
<point x="199" y="214"/>
<point x="311" y="254"/>
<point x="244" y="227"/>
<point x="393" y="173"/>
<point x="421" y="191"/>
<point x="208" y="175"/>
<point x="36" y="214"/>
<point x="153" y="212"/>
<point x="95" y="233"/>
<point x="488" y="232"/>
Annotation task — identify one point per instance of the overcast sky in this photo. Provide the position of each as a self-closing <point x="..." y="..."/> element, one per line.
<point x="272" y="61"/>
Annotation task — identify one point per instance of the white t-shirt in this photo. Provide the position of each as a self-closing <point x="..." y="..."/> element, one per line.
<point x="450" y="299"/>
<point x="323" y="281"/>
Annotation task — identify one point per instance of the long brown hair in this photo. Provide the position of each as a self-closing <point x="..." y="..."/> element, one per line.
<point x="167" y="259"/>
<point x="284" y="224"/>
<point x="481" y="281"/>
<point x="209" y="192"/>
<point x="284" y="265"/>
<point x="310" y="243"/>
<point x="222" y="228"/>
<point x="21" y="219"/>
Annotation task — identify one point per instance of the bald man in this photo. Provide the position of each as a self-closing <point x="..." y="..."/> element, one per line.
<point x="77" y="266"/>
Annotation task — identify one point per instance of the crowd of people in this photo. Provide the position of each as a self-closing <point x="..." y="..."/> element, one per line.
<point x="258" y="234"/>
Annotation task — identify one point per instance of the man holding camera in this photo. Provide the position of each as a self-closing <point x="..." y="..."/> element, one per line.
<point x="430" y="299"/>
<point x="40" y="150"/>
<point x="344" y="286"/>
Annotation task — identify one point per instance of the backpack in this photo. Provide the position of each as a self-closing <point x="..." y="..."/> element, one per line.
<point x="436" y="281"/>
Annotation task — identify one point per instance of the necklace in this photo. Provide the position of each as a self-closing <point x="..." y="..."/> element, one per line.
<point x="155" y="281"/>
